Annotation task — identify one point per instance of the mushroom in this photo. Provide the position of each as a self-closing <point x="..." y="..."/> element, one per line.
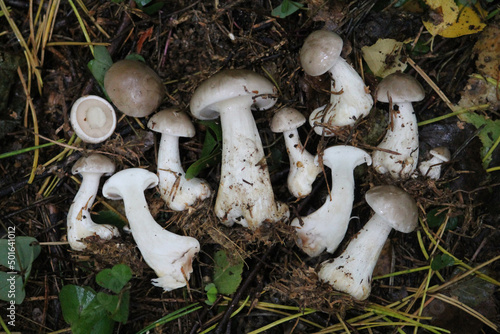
<point x="432" y="168"/>
<point x="93" y="119"/>
<point x="303" y="169"/>
<point x="245" y="192"/>
<point x="79" y="222"/>
<point x="350" y="99"/>
<point x="351" y="272"/>
<point x="134" y="88"/>
<point x="168" y="254"/>
<point x="402" y="135"/>
<point x="325" y="228"/>
<point x="178" y="192"/>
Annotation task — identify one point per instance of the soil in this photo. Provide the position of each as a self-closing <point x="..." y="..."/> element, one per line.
<point x="186" y="42"/>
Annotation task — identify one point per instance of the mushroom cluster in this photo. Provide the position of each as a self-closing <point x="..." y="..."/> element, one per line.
<point x="245" y="194"/>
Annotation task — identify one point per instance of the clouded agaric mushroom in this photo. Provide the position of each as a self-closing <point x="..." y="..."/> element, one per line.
<point x="402" y="136"/>
<point x="134" y="88"/>
<point x="245" y="193"/>
<point x="168" y="254"/>
<point x="325" y="228"/>
<point x="178" y="192"/>
<point x="80" y="225"/>
<point x="303" y="169"/>
<point x="432" y="168"/>
<point x="350" y="99"/>
<point x="93" y="119"/>
<point x="352" y="271"/>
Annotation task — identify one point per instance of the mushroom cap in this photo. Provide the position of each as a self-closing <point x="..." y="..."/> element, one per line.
<point x="442" y="153"/>
<point x="134" y="88"/>
<point x="395" y="205"/>
<point x="320" y="51"/>
<point x="287" y="119"/>
<point x="141" y="178"/>
<point x="93" y="119"/>
<point x="229" y="84"/>
<point x="344" y="155"/>
<point x="94" y="163"/>
<point x="173" y="122"/>
<point x="401" y="88"/>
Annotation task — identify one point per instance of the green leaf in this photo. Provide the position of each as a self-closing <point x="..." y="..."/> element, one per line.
<point x="211" y="290"/>
<point x="135" y="56"/>
<point x="435" y="219"/>
<point x="100" y="64"/>
<point x="211" y="151"/>
<point x="11" y="288"/>
<point x="114" y="279"/>
<point x="488" y="134"/>
<point x="441" y="261"/>
<point x="286" y="8"/>
<point x="108" y="217"/>
<point x="154" y="8"/>
<point x="17" y="254"/>
<point x="116" y="305"/>
<point x="142" y="2"/>
<point x="227" y="278"/>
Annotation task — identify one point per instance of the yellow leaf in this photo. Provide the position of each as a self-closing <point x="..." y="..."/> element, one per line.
<point x="449" y="20"/>
<point x="384" y="57"/>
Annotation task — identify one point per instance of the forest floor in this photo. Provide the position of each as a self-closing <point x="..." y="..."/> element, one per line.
<point x="441" y="278"/>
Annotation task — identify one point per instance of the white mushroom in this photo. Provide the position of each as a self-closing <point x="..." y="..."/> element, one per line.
<point x="432" y="168"/>
<point x="303" y="169"/>
<point x="168" y="254"/>
<point x="352" y="271"/>
<point x="350" y="99"/>
<point x="79" y="222"/>
<point x="402" y="136"/>
<point x="93" y="119"/>
<point x="325" y="228"/>
<point x="178" y="192"/>
<point x="245" y="194"/>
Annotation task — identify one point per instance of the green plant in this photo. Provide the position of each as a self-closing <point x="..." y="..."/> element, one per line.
<point x="88" y="311"/>
<point x="17" y="255"/>
<point x="227" y="276"/>
<point x="211" y="151"/>
<point x="287" y="7"/>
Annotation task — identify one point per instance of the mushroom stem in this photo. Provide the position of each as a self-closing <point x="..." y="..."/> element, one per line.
<point x="352" y="271"/>
<point x="178" y="192"/>
<point x="326" y="227"/>
<point x="245" y="192"/>
<point x="349" y="100"/>
<point x="168" y="254"/>
<point x="402" y="137"/>
<point x="303" y="168"/>
<point x="79" y="222"/>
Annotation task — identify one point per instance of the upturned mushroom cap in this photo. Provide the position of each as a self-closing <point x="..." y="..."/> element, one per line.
<point x="94" y="163"/>
<point x="93" y="119"/>
<point x="134" y="88"/>
<point x="320" y="51"/>
<point x="442" y="153"/>
<point x="287" y="119"/>
<point x="400" y="87"/>
<point x="143" y="179"/>
<point x="229" y="84"/>
<point x="173" y="122"/>
<point x="395" y="205"/>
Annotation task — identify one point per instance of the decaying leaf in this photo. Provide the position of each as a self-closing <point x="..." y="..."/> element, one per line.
<point x="384" y="57"/>
<point x="450" y="20"/>
<point x="487" y="49"/>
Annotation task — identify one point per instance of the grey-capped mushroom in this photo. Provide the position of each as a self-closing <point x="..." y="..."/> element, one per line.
<point x="350" y="99"/>
<point x="402" y="136"/>
<point x="352" y="271"/>
<point x="134" y="88"/>
<point x="93" y="119"/>
<point x="79" y="222"/>
<point x="245" y="194"/>
<point x="432" y="168"/>
<point x="178" y="192"/>
<point x="303" y="168"/>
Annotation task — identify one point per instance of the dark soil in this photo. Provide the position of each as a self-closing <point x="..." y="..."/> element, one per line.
<point x="190" y="42"/>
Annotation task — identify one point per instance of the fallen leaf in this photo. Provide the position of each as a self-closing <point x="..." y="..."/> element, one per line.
<point x="384" y="57"/>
